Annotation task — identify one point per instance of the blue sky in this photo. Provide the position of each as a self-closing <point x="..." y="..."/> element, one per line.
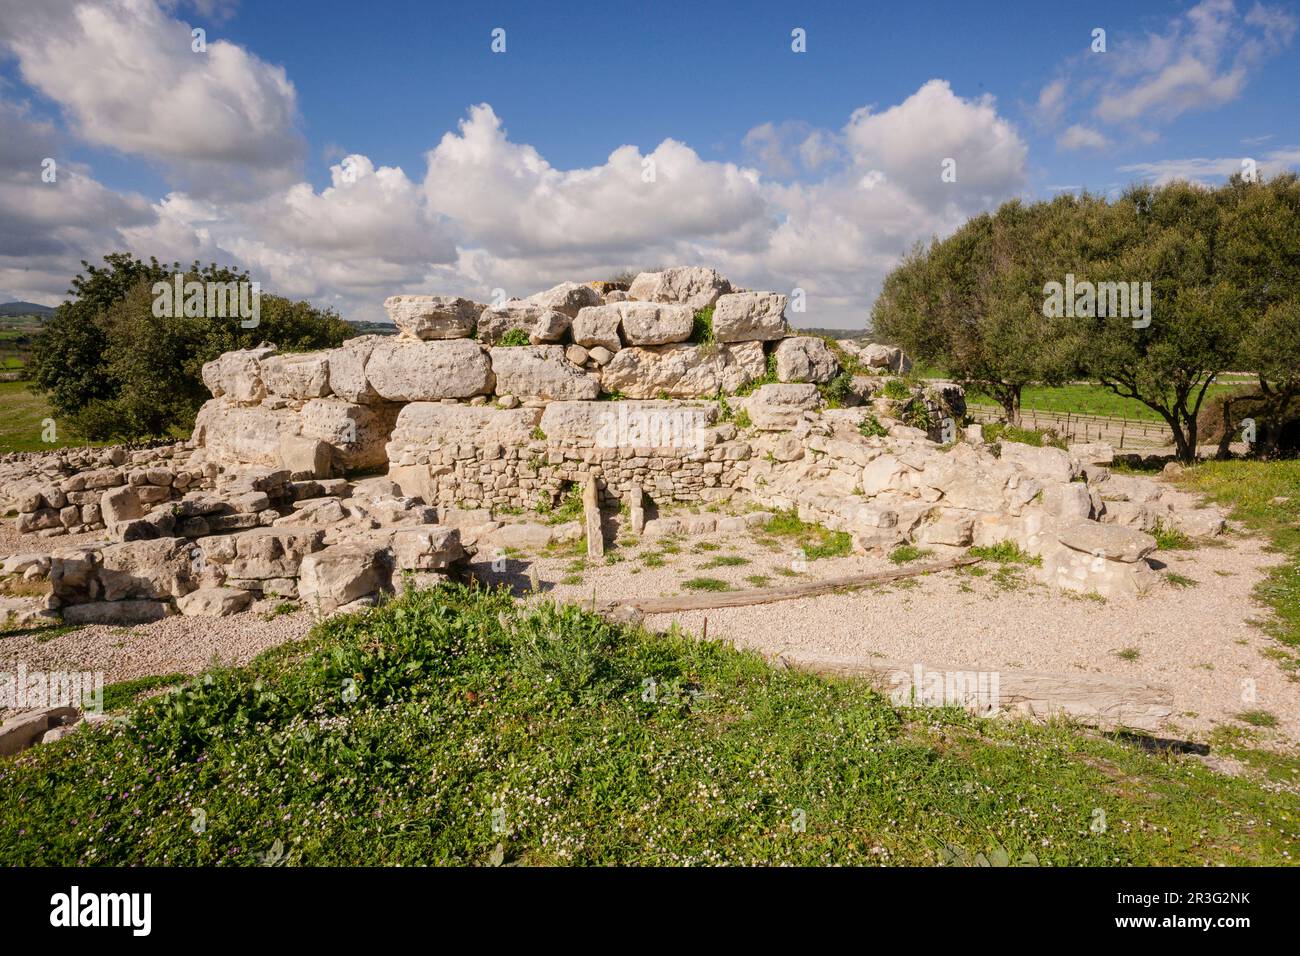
<point x="472" y="170"/>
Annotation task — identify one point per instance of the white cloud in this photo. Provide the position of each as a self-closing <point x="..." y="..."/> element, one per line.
<point x="1202" y="59"/>
<point x="221" y="122"/>
<point x="1081" y="137"/>
<point x="488" y="212"/>
<point x="1208" y="171"/>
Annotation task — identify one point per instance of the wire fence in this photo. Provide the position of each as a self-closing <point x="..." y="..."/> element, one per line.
<point x="1120" y="432"/>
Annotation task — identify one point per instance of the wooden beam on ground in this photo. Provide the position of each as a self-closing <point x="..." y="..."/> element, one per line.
<point x="1098" y="700"/>
<point x="715" y="599"/>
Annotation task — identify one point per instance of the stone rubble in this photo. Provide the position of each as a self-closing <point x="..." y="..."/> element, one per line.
<point x="611" y="401"/>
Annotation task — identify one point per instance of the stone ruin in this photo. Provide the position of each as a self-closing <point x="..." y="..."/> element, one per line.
<point x="465" y="431"/>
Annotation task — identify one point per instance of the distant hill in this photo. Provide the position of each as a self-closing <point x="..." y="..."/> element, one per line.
<point x="373" y="328"/>
<point x="834" y="333"/>
<point x="26" y="308"/>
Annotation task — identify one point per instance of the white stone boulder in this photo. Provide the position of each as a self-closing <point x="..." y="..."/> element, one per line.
<point x="652" y="323"/>
<point x="540" y="324"/>
<point x="567" y="297"/>
<point x="1110" y="541"/>
<point x="432" y="317"/>
<point x="155" y="570"/>
<point x="1046" y="463"/>
<point x="780" y="407"/>
<point x="297" y="375"/>
<point x="541" y="372"/>
<point x="682" y="370"/>
<point x="347" y="369"/>
<point x="599" y="325"/>
<point x="406" y="371"/>
<point x="237" y="375"/>
<point x="805" y="358"/>
<point x="750" y="317"/>
<point x="343" y="573"/>
<point x="695" y="286"/>
<point x="214" y="602"/>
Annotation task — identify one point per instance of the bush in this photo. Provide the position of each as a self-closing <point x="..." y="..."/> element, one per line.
<point x="870" y="427"/>
<point x="515" y="337"/>
<point x="114" y="370"/>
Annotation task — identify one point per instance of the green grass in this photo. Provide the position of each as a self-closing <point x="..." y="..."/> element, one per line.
<point x="758" y="580"/>
<point x="1180" y="580"/>
<point x="1170" y="539"/>
<point x="21" y="424"/>
<point x="1005" y="552"/>
<point x="1248" y="488"/>
<point x="1090" y="400"/>
<point x="999" y="431"/>
<point x="569" y="509"/>
<point x="908" y="552"/>
<point x="815" y="540"/>
<point x="870" y="427"/>
<point x="392" y="737"/>
<point x="1258" y="718"/>
<point x="705" y="584"/>
<point x="724" y="561"/>
<point x="124" y="693"/>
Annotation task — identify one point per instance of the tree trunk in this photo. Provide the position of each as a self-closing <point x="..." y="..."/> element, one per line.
<point x="1010" y="398"/>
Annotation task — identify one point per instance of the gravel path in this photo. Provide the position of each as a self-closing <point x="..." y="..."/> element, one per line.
<point x="1198" y="640"/>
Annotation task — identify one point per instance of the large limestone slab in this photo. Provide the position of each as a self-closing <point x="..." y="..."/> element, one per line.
<point x="541" y="372"/>
<point x="301" y="376"/>
<point x="237" y="375"/>
<point x="348" y="369"/>
<point x="356" y="434"/>
<point x="540" y="324"/>
<point x="636" y="424"/>
<point x="653" y="323"/>
<point x="232" y="433"/>
<point x="152" y="570"/>
<point x="780" y="407"/>
<point x="805" y="358"/>
<point x="567" y="297"/>
<point x="683" y="371"/>
<point x="432" y="317"/>
<point x="749" y="317"/>
<point x="1047" y="463"/>
<point x="598" y="325"/>
<point x="343" y="573"/>
<point x="406" y="371"/>
<point x="696" y="286"/>
<point x="1110" y="541"/>
<point x="424" y="425"/>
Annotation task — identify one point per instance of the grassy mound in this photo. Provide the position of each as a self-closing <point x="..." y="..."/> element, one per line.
<point x="458" y="727"/>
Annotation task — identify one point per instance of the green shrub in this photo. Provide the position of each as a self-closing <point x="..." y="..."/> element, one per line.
<point x="702" y="327"/>
<point x="515" y="337"/>
<point x="870" y="427"/>
<point x="896" y="390"/>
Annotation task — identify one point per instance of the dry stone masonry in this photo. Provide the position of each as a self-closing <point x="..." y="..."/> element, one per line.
<point x="676" y="389"/>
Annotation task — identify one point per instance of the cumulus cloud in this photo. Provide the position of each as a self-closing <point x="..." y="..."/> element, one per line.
<point x="220" y="122"/>
<point x="827" y="211"/>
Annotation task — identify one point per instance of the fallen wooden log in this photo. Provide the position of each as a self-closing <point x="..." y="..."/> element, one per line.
<point x="1098" y="700"/>
<point x="704" y="602"/>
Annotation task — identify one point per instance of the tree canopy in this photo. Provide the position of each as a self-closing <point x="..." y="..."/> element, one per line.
<point x="114" y="369"/>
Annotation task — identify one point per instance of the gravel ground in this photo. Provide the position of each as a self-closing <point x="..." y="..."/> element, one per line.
<point x="173" y="645"/>
<point x="1198" y="640"/>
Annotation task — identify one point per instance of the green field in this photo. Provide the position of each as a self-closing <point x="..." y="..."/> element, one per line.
<point x="459" y="727"/>
<point x="21" y="420"/>
<point x="1081" y="399"/>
